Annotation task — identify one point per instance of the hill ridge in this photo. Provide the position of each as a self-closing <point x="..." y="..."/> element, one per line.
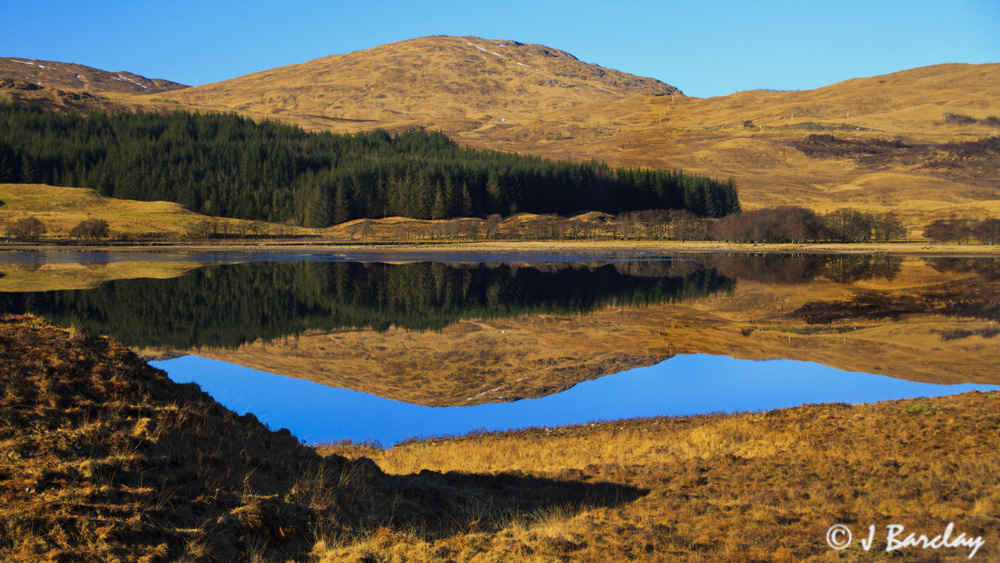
<point x="451" y="83"/>
<point x="74" y="76"/>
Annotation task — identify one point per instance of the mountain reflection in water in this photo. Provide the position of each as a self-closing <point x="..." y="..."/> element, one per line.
<point x="683" y="385"/>
<point x="498" y="328"/>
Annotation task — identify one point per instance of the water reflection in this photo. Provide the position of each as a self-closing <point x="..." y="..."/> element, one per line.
<point x="226" y="306"/>
<point x="518" y="326"/>
<point x="683" y="385"/>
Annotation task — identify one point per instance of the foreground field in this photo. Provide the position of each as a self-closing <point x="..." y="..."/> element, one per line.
<point x="107" y="460"/>
<point x="749" y="487"/>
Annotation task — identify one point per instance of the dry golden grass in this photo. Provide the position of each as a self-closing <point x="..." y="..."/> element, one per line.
<point x="488" y="100"/>
<point x="79" y="77"/>
<point x="61" y="209"/>
<point x="107" y="460"/>
<point x="749" y="487"/>
<point x="631" y="127"/>
<point x="449" y="83"/>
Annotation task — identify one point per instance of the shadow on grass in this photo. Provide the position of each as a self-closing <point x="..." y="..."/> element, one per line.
<point x="444" y="504"/>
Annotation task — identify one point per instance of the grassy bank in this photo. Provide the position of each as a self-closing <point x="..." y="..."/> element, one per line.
<point x="547" y="246"/>
<point x="106" y="460"/>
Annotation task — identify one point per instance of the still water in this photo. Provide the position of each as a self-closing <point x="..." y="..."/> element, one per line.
<point x="389" y="346"/>
<point x="683" y="385"/>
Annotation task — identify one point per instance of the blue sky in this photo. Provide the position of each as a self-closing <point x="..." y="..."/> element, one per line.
<point x="705" y="48"/>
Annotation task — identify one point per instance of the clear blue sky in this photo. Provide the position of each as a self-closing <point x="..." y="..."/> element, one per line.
<point x="705" y="48"/>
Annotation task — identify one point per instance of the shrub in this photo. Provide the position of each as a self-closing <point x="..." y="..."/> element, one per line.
<point x="772" y="225"/>
<point x="90" y="229"/>
<point x="849" y="225"/>
<point x="987" y="231"/>
<point x="28" y="229"/>
<point x="887" y="227"/>
<point x="959" y="119"/>
<point x="949" y="230"/>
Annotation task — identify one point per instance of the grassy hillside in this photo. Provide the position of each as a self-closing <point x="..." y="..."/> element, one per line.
<point x="79" y="77"/>
<point x="538" y="100"/>
<point x="767" y="158"/>
<point x="747" y="487"/>
<point x="106" y="459"/>
<point x="448" y="83"/>
<point x="755" y="137"/>
<point x="61" y="209"/>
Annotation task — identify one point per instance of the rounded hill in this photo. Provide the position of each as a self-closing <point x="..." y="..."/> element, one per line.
<point x="450" y="83"/>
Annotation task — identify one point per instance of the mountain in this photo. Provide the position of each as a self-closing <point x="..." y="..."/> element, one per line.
<point x="892" y="142"/>
<point x="907" y="142"/>
<point x="899" y="137"/>
<point x="81" y="78"/>
<point x="450" y="83"/>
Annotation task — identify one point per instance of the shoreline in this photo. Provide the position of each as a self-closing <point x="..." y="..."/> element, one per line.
<point x="503" y="246"/>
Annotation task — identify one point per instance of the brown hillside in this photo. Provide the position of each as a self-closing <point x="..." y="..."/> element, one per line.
<point x="80" y="78"/>
<point x="756" y="138"/>
<point x="106" y="459"/>
<point x="538" y="100"/>
<point x="450" y="83"/>
<point x="533" y="99"/>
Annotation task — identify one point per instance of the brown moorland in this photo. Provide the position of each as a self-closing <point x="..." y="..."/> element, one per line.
<point x="538" y="100"/>
<point x="106" y="459"/>
<point x="447" y="83"/>
<point x="747" y="487"/>
<point x="756" y="136"/>
<point x="71" y="76"/>
<point x="61" y="209"/>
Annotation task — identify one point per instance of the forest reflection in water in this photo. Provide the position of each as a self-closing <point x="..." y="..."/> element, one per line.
<point x="230" y="305"/>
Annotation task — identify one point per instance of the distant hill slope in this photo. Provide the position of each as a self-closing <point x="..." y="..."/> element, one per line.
<point x="758" y="137"/>
<point x="450" y="83"/>
<point x="78" y="77"/>
<point x="538" y="100"/>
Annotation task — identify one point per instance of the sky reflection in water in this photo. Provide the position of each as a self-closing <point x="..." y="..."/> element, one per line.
<point x="683" y="385"/>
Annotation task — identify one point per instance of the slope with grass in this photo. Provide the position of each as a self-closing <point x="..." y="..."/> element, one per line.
<point x="60" y="209"/>
<point x="753" y="136"/>
<point x="440" y="82"/>
<point x="105" y="459"/>
<point x="746" y="487"/>
<point x="79" y="77"/>
<point x="538" y="100"/>
<point x="757" y="137"/>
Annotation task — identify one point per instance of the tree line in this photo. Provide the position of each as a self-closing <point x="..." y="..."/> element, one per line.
<point x="986" y="231"/>
<point x="229" y="166"/>
<point x="792" y="224"/>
